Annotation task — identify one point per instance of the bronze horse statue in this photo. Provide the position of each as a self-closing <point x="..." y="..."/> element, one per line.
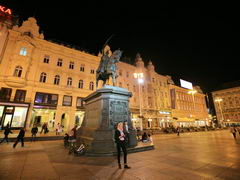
<point x="108" y="68"/>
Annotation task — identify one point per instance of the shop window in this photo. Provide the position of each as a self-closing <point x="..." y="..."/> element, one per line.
<point x="91" y="86"/>
<point x="20" y="95"/>
<point x="19" y="117"/>
<point x="46" y="99"/>
<point x="80" y="84"/>
<point x="67" y="100"/>
<point x="23" y="51"/>
<point x="59" y="62"/>
<point x="57" y="80"/>
<point x="17" y="71"/>
<point x="80" y="102"/>
<point x="82" y="67"/>
<point x="5" y="94"/>
<point x="69" y="81"/>
<point x="46" y="59"/>
<point x="71" y="65"/>
<point x="43" y="77"/>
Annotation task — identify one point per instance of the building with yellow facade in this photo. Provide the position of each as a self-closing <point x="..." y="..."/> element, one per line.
<point x="227" y="105"/>
<point x="42" y="81"/>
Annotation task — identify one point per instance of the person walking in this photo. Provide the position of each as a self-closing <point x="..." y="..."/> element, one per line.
<point x="58" y="129"/>
<point x="34" y="132"/>
<point x="120" y="141"/>
<point x="7" y="131"/>
<point x="43" y="128"/>
<point x="178" y="131"/>
<point x="233" y="131"/>
<point x="20" y="137"/>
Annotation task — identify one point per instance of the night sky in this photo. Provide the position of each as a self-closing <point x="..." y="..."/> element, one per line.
<point x="197" y="42"/>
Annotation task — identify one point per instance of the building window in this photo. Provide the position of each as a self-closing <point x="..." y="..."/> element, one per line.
<point x="80" y="102"/>
<point x="71" y="65"/>
<point x="23" y="51"/>
<point x="67" y="100"/>
<point x="120" y="84"/>
<point x="46" y="99"/>
<point x="92" y="71"/>
<point x="43" y="77"/>
<point x="153" y="80"/>
<point x="160" y="83"/>
<point x="17" y="71"/>
<point x="91" y="86"/>
<point x="59" y="63"/>
<point x="5" y="94"/>
<point x="128" y="86"/>
<point x="57" y="80"/>
<point x="150" y="101"/>
<point x="120" y="72"/>
<point x="80" y="84"/>
<point x="127" y="74"/>
<point x="82" y="67"/>
<point x="20" y="95"/>
<point x="46" y="59"/>
<point x="69" y="81"/>
<point x="165" y="85"/>
<point x="134" y="88"/>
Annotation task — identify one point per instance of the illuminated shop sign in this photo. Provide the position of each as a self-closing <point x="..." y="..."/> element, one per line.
<point x="5" y="10"/>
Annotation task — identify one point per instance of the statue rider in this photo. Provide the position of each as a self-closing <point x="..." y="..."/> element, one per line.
<point x="104" y="61"/>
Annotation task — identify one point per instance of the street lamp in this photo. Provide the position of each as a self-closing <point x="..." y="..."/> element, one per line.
<point x="219" y="100"/>
<point x="139" y="77"/>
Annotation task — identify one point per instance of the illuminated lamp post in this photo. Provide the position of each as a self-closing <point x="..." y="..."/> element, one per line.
<point x="219" y="100"/>
<point x="139" y="77"/>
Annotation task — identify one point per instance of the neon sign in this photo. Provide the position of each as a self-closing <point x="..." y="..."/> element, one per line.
<point x="5" y="10"/>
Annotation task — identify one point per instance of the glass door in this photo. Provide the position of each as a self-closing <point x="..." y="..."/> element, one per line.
<point x="7" y="120"/>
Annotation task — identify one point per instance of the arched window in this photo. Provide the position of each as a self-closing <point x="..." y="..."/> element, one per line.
<point x="80" y="84"/>
<point x="91" y="86"/>
<point x="69" y="81"/>
<point x="43" y="77"/>
<point x="57" y="79"/>
<point x="17" y="71"/>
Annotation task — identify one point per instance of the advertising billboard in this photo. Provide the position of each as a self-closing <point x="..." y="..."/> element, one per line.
<point x="186" y="84"/>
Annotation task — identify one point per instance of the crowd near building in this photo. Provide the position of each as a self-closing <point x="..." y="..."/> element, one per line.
<point x="227" y="104"/>
<point x="45" y="82"/>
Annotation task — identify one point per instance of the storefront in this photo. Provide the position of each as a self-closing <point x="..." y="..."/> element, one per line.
<point x="14" y="114"/>
<point x="43" y="114"/>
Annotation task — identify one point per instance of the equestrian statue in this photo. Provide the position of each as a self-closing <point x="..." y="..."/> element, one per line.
<point x="107" y="67"/>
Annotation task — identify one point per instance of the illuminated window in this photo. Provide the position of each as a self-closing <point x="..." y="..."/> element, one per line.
<point x="57" y="80"/>
<point x="80" y="84"/>
<point x="46" y="59"/>
<point x="91" y="86"/>
<point x="69" y="81"/>
<point x="43" y="77"/>
<point x="67" y="100"/>
<point x="71" y="65"/>
<point x="20" y="95"/>
<point x="82" y="67"/>
<point x="23" y="51"/>
<point x="17" y="71"/>
<point x="59" y="63"/>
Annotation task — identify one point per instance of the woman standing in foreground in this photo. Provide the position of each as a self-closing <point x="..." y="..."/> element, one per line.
<point x="120" y="141"/>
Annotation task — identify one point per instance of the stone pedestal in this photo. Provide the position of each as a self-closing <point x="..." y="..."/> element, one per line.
<point x="104" y="109"/>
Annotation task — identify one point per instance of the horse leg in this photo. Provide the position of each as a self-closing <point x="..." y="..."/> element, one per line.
<point x="113" y="80"/>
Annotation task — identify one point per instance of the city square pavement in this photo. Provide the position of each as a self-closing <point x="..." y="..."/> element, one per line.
<point x="198" y="155"/>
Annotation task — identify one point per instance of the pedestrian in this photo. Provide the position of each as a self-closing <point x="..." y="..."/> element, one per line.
<point x="233" y="131"/>
<point x="6" y="133"/>
<point x="57" y="129"/>
<point x="20" y="137"/>
<point x="178" y="131"/>
<point x="34" y="132"/>
<point x="150" y="138"/>
<point x="144" y="137"/>
<point x="74" y="131"/>
<point x="138" y="133"/>
<point x="46" y="128"/>
<point x="126" y="132"/>
<point x="43" y="128"/>
<point x="120" y="141"/>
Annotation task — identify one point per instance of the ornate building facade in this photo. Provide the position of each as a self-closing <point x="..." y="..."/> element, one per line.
<point x="42" y="81"/>
<point x="227" y="105"/>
